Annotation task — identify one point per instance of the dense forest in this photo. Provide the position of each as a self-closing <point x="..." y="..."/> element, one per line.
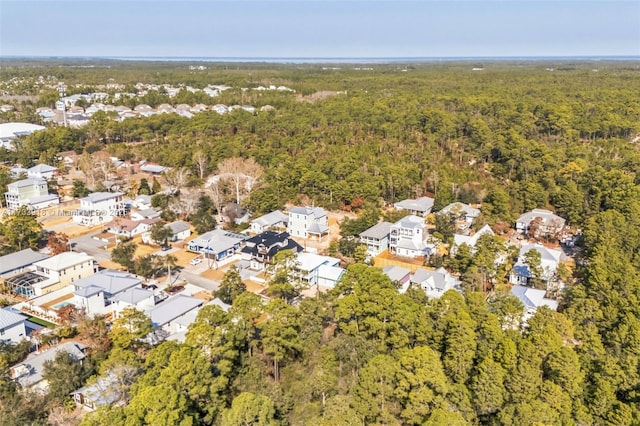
<point x="511" y="136"/>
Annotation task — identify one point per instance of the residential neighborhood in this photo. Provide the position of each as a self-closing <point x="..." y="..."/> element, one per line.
<point x="247" y="243"/>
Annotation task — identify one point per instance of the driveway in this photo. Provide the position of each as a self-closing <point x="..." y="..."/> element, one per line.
<point x="198" y="281"/>
<point x="92" y="247"/>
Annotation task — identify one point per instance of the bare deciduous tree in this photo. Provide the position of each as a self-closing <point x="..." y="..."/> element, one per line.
<point x="215" y="191"/>
<point x="244" y="173"/>
<point x="177" y="178"/>
<point x="187" y="203"/>
<point x="201" y="161"/>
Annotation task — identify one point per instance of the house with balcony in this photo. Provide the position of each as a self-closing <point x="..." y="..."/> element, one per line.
<point x="100" y="207"/>
<point x="33" y="193"/>
<point x="261" y="249"/>
<point x="96" y="293"/>
<point x="308" y="222"/>
<point x="312" y="268"/>
<point x="406" y="237"/>
<point x="376" y="238"/>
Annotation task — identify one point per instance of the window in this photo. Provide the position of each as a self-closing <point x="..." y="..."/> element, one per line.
<point x="1" y="331"/>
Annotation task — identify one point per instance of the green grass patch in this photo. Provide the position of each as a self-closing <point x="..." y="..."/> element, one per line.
<point x="41" y="322"/>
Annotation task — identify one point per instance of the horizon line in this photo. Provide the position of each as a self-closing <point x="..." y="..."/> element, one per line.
<point x="320" y="58"/>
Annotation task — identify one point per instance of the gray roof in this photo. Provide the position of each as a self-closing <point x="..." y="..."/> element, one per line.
<point x="395" y="273"/>
<point x="317" y="212"/>
<point x="133" y="295"/>
<point x="106" y="390"/>
<point x="462" y="208"/>
<point x="9" y="319"/>
<point x="42" y="168"/>
<point x="150" y="213"/>
<point x="421" y="275"/>
<point x="112" y="282"/>
<point x="88" y="291"/>
<point x="218" y="240"/>
<point x="441" y="278"/>
<point x="533" y="298"/>
<point x="19" y="259"/>
<point x="34" y="364"/>
<point x="178" y="226"/>
<point x="271" y="219"/>
<point x="409" y="222"/>
<point x="64" y="260"/>
<point x="378" y="231"/>
<point x="173" y="308"/>
<point x="333" y="273"/>
<point x="101" y="196"/>
<point x="422" y="204"/>
<point x="27" y="182"/>
<point x="547" y="254"/>
<point x="316" y="228"/>
<point x="43" y="198"/>
<point x="548" y="218"/>
<point x="153" y="168"/>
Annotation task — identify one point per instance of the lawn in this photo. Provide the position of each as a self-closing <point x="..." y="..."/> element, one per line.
<point x="41" y="322"/>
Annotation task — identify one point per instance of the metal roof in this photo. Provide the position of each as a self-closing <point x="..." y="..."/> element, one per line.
<point x="9" y="319"/>
<point x="173" y="308"/>
<point x="378" y="231"/>
<point x="19" y="259"/>
<point x="96" y="197"/>
<point x="64" y="260"/>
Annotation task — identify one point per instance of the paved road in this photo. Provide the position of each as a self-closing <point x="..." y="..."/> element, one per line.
<point x="92" y="247"/>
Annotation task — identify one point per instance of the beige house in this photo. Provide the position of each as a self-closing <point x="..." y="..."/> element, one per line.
<point x="33" y="193"/>
<point x="62" y="270"/>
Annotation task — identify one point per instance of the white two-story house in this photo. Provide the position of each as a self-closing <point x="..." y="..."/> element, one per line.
<point x="406" y="237"/>
<point x="308" y="222"/>
<point x="376" y="238"/>
<point x="100" y="207"/>
<point x="33" y="193"/>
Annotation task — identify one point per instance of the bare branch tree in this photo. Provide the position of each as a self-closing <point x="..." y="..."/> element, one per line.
<point x="244" y="173"/>
<point x="201" y="161"/>
<point x="177" y="178"/>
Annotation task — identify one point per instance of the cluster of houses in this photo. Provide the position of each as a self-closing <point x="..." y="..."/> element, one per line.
<point x="68" y="110"/>
<point x="48" y="283"/>
<point x="76" y="116"/>
<point x="409" y="238"/>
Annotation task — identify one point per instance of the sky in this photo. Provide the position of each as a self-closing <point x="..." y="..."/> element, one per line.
<point x="322" y="28"/>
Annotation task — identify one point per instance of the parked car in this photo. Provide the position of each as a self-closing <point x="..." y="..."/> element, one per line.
<point x="195" y="261"/>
